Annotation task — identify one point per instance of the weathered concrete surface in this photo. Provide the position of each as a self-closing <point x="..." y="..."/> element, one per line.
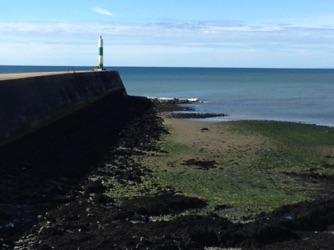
<point x="35" y="74"/>
<point x="28" y="98"/>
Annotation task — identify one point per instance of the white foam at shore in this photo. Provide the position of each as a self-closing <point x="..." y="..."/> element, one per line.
<point x="166" y="99"/>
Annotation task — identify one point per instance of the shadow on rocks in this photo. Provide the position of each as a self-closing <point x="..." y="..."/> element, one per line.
<point x="39" y="170"/>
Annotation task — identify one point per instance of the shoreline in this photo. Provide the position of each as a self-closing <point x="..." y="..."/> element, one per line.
<point x="154" y="182"/>
<point x="182" y="108"/>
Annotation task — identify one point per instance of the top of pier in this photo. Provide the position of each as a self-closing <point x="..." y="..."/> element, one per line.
<point x="34" y="74"/>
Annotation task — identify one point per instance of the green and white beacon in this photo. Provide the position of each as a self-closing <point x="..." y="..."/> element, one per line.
<point x="100" y="58"/>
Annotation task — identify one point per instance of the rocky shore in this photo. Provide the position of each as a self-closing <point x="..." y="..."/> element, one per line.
<point x="76" y="184"/>
<point x="182" y="109"/>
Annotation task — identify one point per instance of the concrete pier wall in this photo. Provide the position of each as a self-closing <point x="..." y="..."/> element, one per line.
<point x="26" y="100"/>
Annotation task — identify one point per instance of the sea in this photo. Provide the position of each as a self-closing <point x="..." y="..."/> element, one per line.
<point x="293" y="95"/>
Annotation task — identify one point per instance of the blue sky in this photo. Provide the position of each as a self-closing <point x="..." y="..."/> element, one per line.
<point x="191" y="33"/>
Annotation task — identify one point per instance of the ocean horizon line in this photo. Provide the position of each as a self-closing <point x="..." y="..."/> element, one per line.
<point x="190" y="67"/>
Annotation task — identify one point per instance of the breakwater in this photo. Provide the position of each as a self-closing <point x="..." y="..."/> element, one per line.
<point x="27" y="100"/>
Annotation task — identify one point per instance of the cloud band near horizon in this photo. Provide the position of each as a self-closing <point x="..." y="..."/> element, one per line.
<point x="224" y="40"/>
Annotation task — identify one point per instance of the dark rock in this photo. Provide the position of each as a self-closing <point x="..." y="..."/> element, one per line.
<point x="102" y="199"/>
<point x="205" y="238"/>
<point x="44" y="247"/>
<point x="94" y="187"/>
<point x="186" y="115"/>
<point x="203" y="165"/>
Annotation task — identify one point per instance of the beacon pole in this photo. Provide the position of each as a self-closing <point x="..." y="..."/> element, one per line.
<point x="100" y="42"/>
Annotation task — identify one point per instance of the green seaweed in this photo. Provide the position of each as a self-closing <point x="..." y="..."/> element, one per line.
<point x="258" y="184"/>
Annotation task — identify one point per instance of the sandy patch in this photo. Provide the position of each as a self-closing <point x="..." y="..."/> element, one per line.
<point x="215" y="138"/>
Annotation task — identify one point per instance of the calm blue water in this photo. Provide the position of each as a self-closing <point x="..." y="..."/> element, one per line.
<point x="298" y="95"/>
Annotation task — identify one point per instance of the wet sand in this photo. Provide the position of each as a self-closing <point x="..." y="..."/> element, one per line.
<point x="209" y="137"/>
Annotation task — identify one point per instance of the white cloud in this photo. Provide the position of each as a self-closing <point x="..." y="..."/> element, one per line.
<point x="311" y="21"/>
<point x="102" y="11"/>
<point x="165" y="43"/>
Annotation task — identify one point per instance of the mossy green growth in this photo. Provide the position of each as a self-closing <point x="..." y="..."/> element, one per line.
<point x="173" y="147"/>
<point x="298" y="145"/>
<point x="259" y="183"/>
<point x="297" y="134"/>
<point x="251" y="193"/>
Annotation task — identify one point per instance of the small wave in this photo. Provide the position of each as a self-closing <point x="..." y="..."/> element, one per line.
<point x="176" y="100"/>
